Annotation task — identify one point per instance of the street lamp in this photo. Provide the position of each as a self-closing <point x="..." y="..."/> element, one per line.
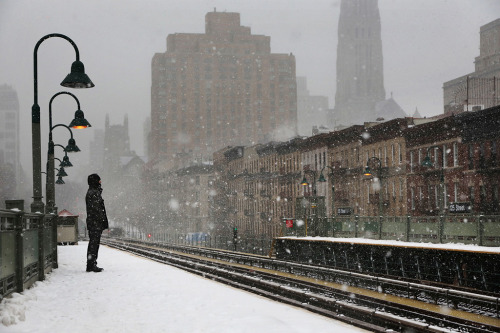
<point x="49" y="187"/>
<point x="76" y="79"/>
<point x="314" y="197"/>
<point x="368" y="172"/>
<point x="59" y="180"/>
<point x="65" y="161"/>
<point x="306" y="183"/>
<point x="428" y="164"/>
<point x="322" y="179"/>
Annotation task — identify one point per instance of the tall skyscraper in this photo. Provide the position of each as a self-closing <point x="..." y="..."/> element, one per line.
<point x="312" y="110"/>
<point x="9" y="143"/>
<point x="220" y="88"/>
<point x="116" y="146"/>
<point x="9" y="130"/>
<point x="481" y="88"/>
<point x="360" y="95"/>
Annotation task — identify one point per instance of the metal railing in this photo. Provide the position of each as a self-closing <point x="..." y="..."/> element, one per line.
<point x="466" y="229"/>
<point x="28" y="249"/>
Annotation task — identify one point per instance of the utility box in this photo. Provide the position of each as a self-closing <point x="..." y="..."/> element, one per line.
<point x="67" y="228"/>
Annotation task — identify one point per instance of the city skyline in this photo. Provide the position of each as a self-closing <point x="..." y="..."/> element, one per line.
<point x="117" y="51"/>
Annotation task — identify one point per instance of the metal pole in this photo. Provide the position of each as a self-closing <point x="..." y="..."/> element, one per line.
<point x="37" y="205"/>
<point x="50" y="178"/>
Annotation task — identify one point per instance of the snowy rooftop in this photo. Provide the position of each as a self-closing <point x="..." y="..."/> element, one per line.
<point x="134" y="294"/>
<point x="444" y="246"/>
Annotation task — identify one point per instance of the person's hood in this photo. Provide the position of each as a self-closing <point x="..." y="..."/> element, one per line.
<point x="94" y="180"/>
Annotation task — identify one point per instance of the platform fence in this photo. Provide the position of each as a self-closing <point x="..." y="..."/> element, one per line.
<point x="28" y="249"/>
<point x="481" y="230"/>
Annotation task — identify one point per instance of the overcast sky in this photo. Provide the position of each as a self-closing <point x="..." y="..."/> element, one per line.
<point x="425" y="43"/>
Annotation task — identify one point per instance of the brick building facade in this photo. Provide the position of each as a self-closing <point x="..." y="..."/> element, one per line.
<point x="262" y="184"/>
<point x="223" y="87"/>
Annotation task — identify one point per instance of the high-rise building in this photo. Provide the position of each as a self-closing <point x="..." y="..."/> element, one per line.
<point x="220" y="88"/>
<point x="116" y="146"/>
<point x="481" y="88"/>
<point x="360" y="95"/>
<point x="9" y="142"/>
<point x="312" y="110"/>
<point x="9" y="128"/>
<point x="96" y="151"/>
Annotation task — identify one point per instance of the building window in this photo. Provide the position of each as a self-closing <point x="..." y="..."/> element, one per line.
<point x="412" y="194"/>
<point x="436" y="157"/>
<point x="471" y="157"/>
<point x="411" y="161"/>
<point x="400" y="153"/>
<point x="482" y="156"/>
<point x="455" y="154"/>
<point x="482" y="194"/>
<point x="401" y="186"/>
<point x="392" y="155"/>
<point x="385" y="156"/>
<point x="445" y="153"/>
<point x="430" y="203"/>
<point x="472" y="196"/>
<point x="455" y="190"/>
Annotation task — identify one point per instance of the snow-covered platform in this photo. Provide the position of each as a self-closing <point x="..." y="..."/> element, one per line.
<point x="134" y="294"/>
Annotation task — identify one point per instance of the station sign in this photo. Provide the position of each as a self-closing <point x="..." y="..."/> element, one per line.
<point x="460" y="207"/>
<point x="344" y="211"/>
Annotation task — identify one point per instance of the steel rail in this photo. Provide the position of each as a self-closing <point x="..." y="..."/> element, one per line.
<point x="481" y="303"/>
<point x="378" y="314"/>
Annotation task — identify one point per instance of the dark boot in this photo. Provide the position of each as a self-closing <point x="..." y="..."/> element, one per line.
<point x="92" y="267"/>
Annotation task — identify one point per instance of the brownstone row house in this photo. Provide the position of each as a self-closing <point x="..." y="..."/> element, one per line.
<point x="256" y="186"/>
<point x="262" y="184"/>
<point x="465" y="167"/>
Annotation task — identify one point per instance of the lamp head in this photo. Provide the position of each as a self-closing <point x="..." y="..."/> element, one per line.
<point x="321" y="178"/>
<point x="65" y="162"/>
<point x="71" y="147"/>
<point x="79" y="121"/>
<point x="61" y="172"/>
<point x="60" y="181"/>
<point x="77" y="78"/>
<point x="368" y="171"/>
<point x="304" y="182"/>
<point x="427" y="162"/>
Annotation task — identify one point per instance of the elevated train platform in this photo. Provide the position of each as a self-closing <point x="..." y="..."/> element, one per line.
<point x="468" y="266"/>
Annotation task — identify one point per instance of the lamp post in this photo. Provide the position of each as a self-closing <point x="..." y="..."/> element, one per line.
<point x="306" y="183"/>
<point x="49" y="187"/>
<point x="65" y="162"/>
<point x="78" y="122"/>
<point x="368" y="172"/>
<point x="428" y="164"/>
<point x="322" y="179"/>
<point x="314" y="196"/>
<point x="76" y="79"/>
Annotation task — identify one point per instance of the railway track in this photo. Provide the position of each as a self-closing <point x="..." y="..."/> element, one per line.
<point x="375" y="312"/>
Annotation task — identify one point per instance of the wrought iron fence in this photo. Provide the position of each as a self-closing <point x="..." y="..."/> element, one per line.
<point x="28" y="249"/>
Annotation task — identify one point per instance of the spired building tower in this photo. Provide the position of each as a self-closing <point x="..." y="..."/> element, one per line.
<point x="220" y="88"/>
<point x="360" y="95"/>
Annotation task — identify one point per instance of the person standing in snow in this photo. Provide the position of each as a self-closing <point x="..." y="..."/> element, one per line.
<point x="97" y="221"/>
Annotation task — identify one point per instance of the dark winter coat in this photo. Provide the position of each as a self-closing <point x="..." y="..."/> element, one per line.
<point x="96" y="212"/>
